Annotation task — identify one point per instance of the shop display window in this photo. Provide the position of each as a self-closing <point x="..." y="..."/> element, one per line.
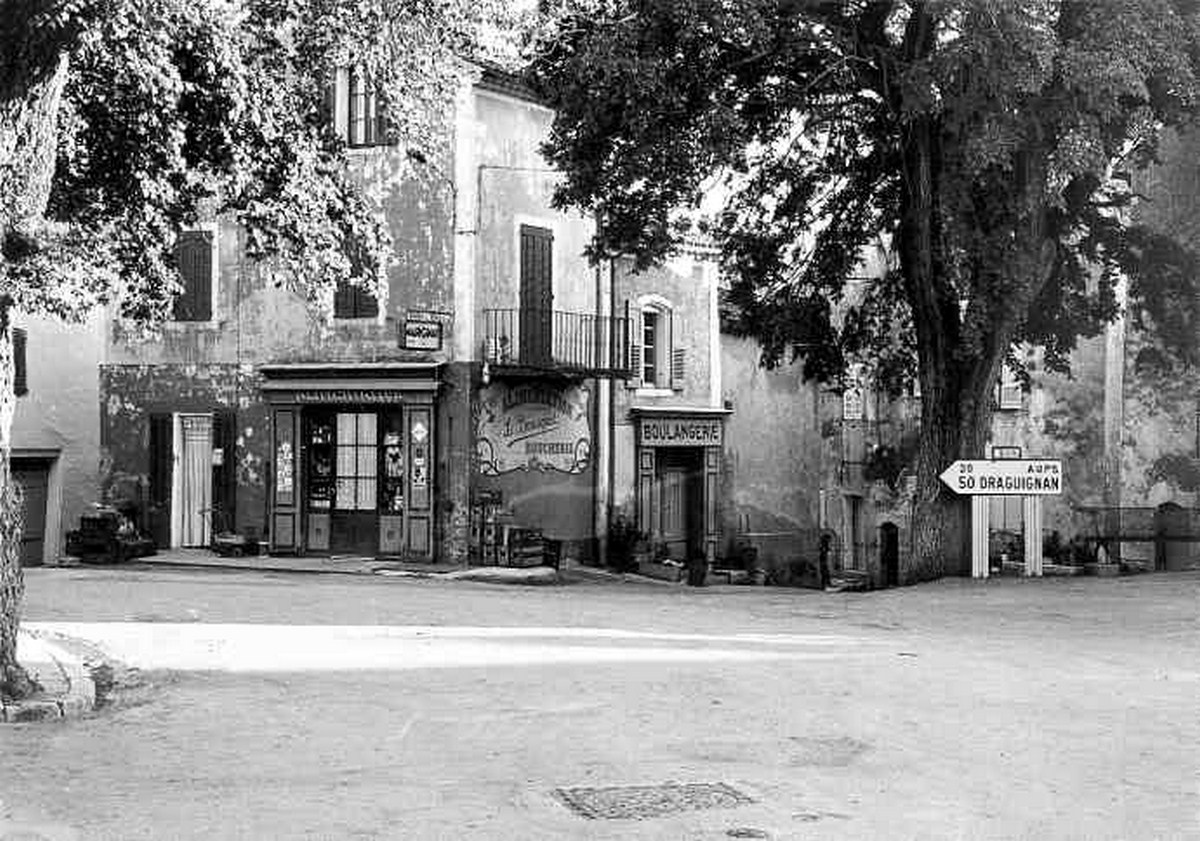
<point x="393" y="464"/>
<point x="320" y="460"/>
<point x="357" y="474"/>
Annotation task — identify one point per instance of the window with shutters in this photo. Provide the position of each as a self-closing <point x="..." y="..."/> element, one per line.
<point x="194" y="260"/>
<point x="657" y="362"/>
<point x="20" y="372"/>
<point x="651" y="347"/>
<point x="357" y="110"/>
<point x="350" y="301"/>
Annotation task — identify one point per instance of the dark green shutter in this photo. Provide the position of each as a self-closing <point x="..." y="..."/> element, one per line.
<point x="160" y="473"/>
<point x="635" y="348"/>
<point x="224" y="479"/>
<point x="20" y="370"/>
<point x="676" y="359"/>
<point x="193" y="259"/>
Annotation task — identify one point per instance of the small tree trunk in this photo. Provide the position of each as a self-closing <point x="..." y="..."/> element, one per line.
<point x="14" y="682"/>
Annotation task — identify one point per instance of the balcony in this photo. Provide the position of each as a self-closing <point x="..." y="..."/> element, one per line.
<point x="537" y="342"/>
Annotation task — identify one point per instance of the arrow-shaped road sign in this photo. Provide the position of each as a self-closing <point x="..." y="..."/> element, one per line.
<point x="1008" y="477"/>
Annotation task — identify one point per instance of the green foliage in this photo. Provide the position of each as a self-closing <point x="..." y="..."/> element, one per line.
<point x="977" y="136"/>
<point x="1179" y="469"/>
<point x="177" y="110"/>
<point x="887" y="463"/>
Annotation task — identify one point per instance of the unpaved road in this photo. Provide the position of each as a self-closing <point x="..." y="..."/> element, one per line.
<point x="331" y="707"/>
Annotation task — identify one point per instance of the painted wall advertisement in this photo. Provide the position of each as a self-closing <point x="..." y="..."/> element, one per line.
<point x="533" y="427"/>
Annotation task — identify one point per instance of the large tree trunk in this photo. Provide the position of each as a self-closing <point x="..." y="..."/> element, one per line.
<point x="955" y="423"/>
<point x="955" y="386"/>
<point x="29" y="101"/>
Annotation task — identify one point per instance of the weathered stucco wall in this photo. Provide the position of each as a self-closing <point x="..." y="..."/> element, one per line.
<point x="129" y="394"/>
<point x="256" y="322"/>
<point x="773" y="458"/>
<point x="515" y="185"/>
<point x="60" y="414"/>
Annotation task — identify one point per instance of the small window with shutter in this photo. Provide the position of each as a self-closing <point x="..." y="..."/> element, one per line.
<point x="194" y="261"/>
<point x="352" y="301"/>
<point x="20" y="372"/>
<point x="654" y="359"/>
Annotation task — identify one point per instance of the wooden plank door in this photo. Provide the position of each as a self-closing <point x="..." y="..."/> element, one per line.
<point x="537" y="295"/>
<point x="158" y="517"/>
<point x="285" y="480"/>
<point x="419" y="513"/>
<point x="34" y="481"/>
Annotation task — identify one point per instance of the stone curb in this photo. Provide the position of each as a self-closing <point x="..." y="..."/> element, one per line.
<point x="78" y="698"/>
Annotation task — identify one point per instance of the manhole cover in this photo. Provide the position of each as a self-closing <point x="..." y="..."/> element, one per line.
<point x="650" y="801"/>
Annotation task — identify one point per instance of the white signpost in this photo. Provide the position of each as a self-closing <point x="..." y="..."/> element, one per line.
<point x="1028" y="478"/>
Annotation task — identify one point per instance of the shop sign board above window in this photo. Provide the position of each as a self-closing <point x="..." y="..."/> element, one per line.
<point x="533" y="427"/>
<point x="421" y="334"/>
<point x="681" y="432"/>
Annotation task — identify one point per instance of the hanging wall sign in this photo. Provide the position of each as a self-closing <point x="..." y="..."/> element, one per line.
<point x="421" y="334"/>
<point x="533" y="427"/>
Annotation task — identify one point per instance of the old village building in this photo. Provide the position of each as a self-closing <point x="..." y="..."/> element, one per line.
<point x="502" y="385"/>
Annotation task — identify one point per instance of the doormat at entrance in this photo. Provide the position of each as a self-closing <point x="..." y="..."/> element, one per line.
<point x="637" y="802"/>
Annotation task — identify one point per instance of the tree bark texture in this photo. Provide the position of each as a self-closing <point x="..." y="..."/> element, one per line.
<point x="14" y="682"/>
<point x="956" y="407"/>
<point x="29" y="102"/>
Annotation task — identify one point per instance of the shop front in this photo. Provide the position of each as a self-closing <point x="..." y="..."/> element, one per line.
<point x="677" y="476"/>
<point x="353" y="455"/>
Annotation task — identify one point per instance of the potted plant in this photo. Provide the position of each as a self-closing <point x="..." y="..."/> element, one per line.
<point x="627" y="546"/>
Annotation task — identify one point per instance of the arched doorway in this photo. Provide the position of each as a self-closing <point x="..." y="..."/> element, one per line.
<point x="1171" y="537"/>
<point x="889" y="554"/>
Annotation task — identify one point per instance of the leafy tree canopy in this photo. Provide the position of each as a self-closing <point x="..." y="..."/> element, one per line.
<point x="980" y="138"/>
<point x="164" y="111"/>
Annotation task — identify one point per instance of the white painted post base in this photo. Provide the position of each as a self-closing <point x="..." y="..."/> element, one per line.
<point x="979" y="537"/>
<point x="1033" y="535"/>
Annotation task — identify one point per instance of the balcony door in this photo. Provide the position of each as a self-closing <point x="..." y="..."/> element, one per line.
<point x="537" y="295"/>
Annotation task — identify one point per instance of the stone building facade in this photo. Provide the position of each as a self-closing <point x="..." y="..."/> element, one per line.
<point x="502" y="384"/>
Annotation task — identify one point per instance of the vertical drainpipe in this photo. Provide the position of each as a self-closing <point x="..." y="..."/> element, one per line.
<point x="604" y="419"/>
<point x="464" y="225"/>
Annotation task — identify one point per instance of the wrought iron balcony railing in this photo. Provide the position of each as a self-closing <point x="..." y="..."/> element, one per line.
<point x="541" y="340"/>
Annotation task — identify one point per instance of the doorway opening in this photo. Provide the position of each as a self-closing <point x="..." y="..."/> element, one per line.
<point x="192" y="488"/>
<point x="889" y="554"/>
<point x="32" y="476"/>
<point x="679" y="480"/>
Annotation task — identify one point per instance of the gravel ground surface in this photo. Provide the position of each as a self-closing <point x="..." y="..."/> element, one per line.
<point x="398" y="708"/>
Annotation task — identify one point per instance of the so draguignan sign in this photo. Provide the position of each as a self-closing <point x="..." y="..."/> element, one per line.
<point x="1006" y="477"/>
<point x="532" y="427"/>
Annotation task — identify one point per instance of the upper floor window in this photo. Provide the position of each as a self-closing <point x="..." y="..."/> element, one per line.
<point x="357" y="109"/>
<point x="1009" y="394"/>
<point x="652" y="346"/>
<point x="657" y="362"/>
<point x="350" y="301"/>
<point x="194" y="260"/>
<point x="20" y="372"/>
